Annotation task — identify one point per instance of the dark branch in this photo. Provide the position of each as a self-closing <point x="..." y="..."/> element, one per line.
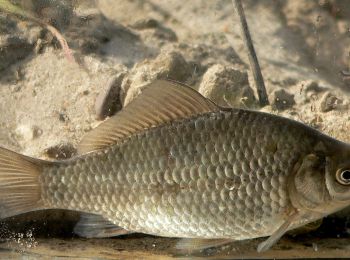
<point x="253" y="60"/>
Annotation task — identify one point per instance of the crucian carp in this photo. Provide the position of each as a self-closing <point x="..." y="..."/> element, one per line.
<point x="172" y="163"/>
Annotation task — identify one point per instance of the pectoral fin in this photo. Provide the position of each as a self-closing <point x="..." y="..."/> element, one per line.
<point x="91" y="225"/>
<point x="268" y="243"/>
<point x="307" y="228"/>
<point x="196" y="244"/>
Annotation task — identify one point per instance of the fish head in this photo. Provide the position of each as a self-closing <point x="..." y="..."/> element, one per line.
<point x="337" y="175"/>
<point x="321" y="183"/>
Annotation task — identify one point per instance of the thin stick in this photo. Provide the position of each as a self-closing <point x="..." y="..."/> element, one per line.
<point x="253" y="60"/>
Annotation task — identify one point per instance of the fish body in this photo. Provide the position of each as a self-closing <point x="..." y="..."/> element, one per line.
<point x="215" y="174"/>
<point x="221" y="174"/>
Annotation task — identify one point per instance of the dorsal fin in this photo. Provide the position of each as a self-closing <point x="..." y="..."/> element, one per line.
<point x="160" y="102"/>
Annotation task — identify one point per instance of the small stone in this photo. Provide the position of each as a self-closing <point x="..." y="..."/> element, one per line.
<point x="27" y="132"/>
<point x="131" y="89"/>
<point x="37" y="132"/>
<point x="61" y="151"/>
<point x="63" y="117"/>
<point x="33" y="34"/>
<point x="329" y="102"/>
<point x="155" y="28"/>
<point x="108" y="101"/>
<point x="309" y="91"/>
<point x="227" y="86"/>
<point x="282" y="100"/>
<point x="171" y="65"/>
<point x="167" y="65"/>
<point x="145" y="24"/>
<point x="311" y="86"/>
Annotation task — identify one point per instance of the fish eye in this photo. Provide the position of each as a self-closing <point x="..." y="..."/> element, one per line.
<point x="343" y="176"/>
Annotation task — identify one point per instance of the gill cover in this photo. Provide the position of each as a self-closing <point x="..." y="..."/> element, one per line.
<point x="307" y="189"/>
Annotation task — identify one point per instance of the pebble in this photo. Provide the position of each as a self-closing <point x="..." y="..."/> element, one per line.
<point x="145" y="24"/>
<point x="227" y="86"/>
<point x="62" y="116"/>
<point x="63" y="150"/>
<point x="171" y="65"/>
<point x="167" y="65"/>
<point x="155" y="28"/>
<point x="108" y="101"/>
<point x="28" y="132"/>
<point x="329" y="102"/>
<point x="37" y="131"/>
<point x="310" y="90"/>
<point x="282" y="100"/>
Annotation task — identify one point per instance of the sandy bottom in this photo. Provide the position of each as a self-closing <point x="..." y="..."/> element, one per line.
<point x="161" y="248"/>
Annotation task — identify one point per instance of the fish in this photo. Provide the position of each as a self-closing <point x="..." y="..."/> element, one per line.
<point x="172" y="163"/>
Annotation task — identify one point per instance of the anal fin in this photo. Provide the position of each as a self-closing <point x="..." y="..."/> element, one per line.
<point x="91" y="225"/>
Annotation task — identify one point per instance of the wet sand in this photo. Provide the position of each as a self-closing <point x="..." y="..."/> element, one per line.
<point x="161" y="248"/>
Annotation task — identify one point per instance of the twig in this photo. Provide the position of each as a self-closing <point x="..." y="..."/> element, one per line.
<point x="64" y="45"/>
<point x="345" y="73"/>
<point x="253" y="60"/>
<point x="8" y="7"/>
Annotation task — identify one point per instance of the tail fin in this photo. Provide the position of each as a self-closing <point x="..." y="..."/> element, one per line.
<point x="20" y="190"/>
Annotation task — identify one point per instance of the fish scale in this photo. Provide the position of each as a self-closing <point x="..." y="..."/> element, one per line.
<point x="211" y="176"/>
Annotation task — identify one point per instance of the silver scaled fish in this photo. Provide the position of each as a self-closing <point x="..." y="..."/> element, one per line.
<point x="172" y="163"/>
